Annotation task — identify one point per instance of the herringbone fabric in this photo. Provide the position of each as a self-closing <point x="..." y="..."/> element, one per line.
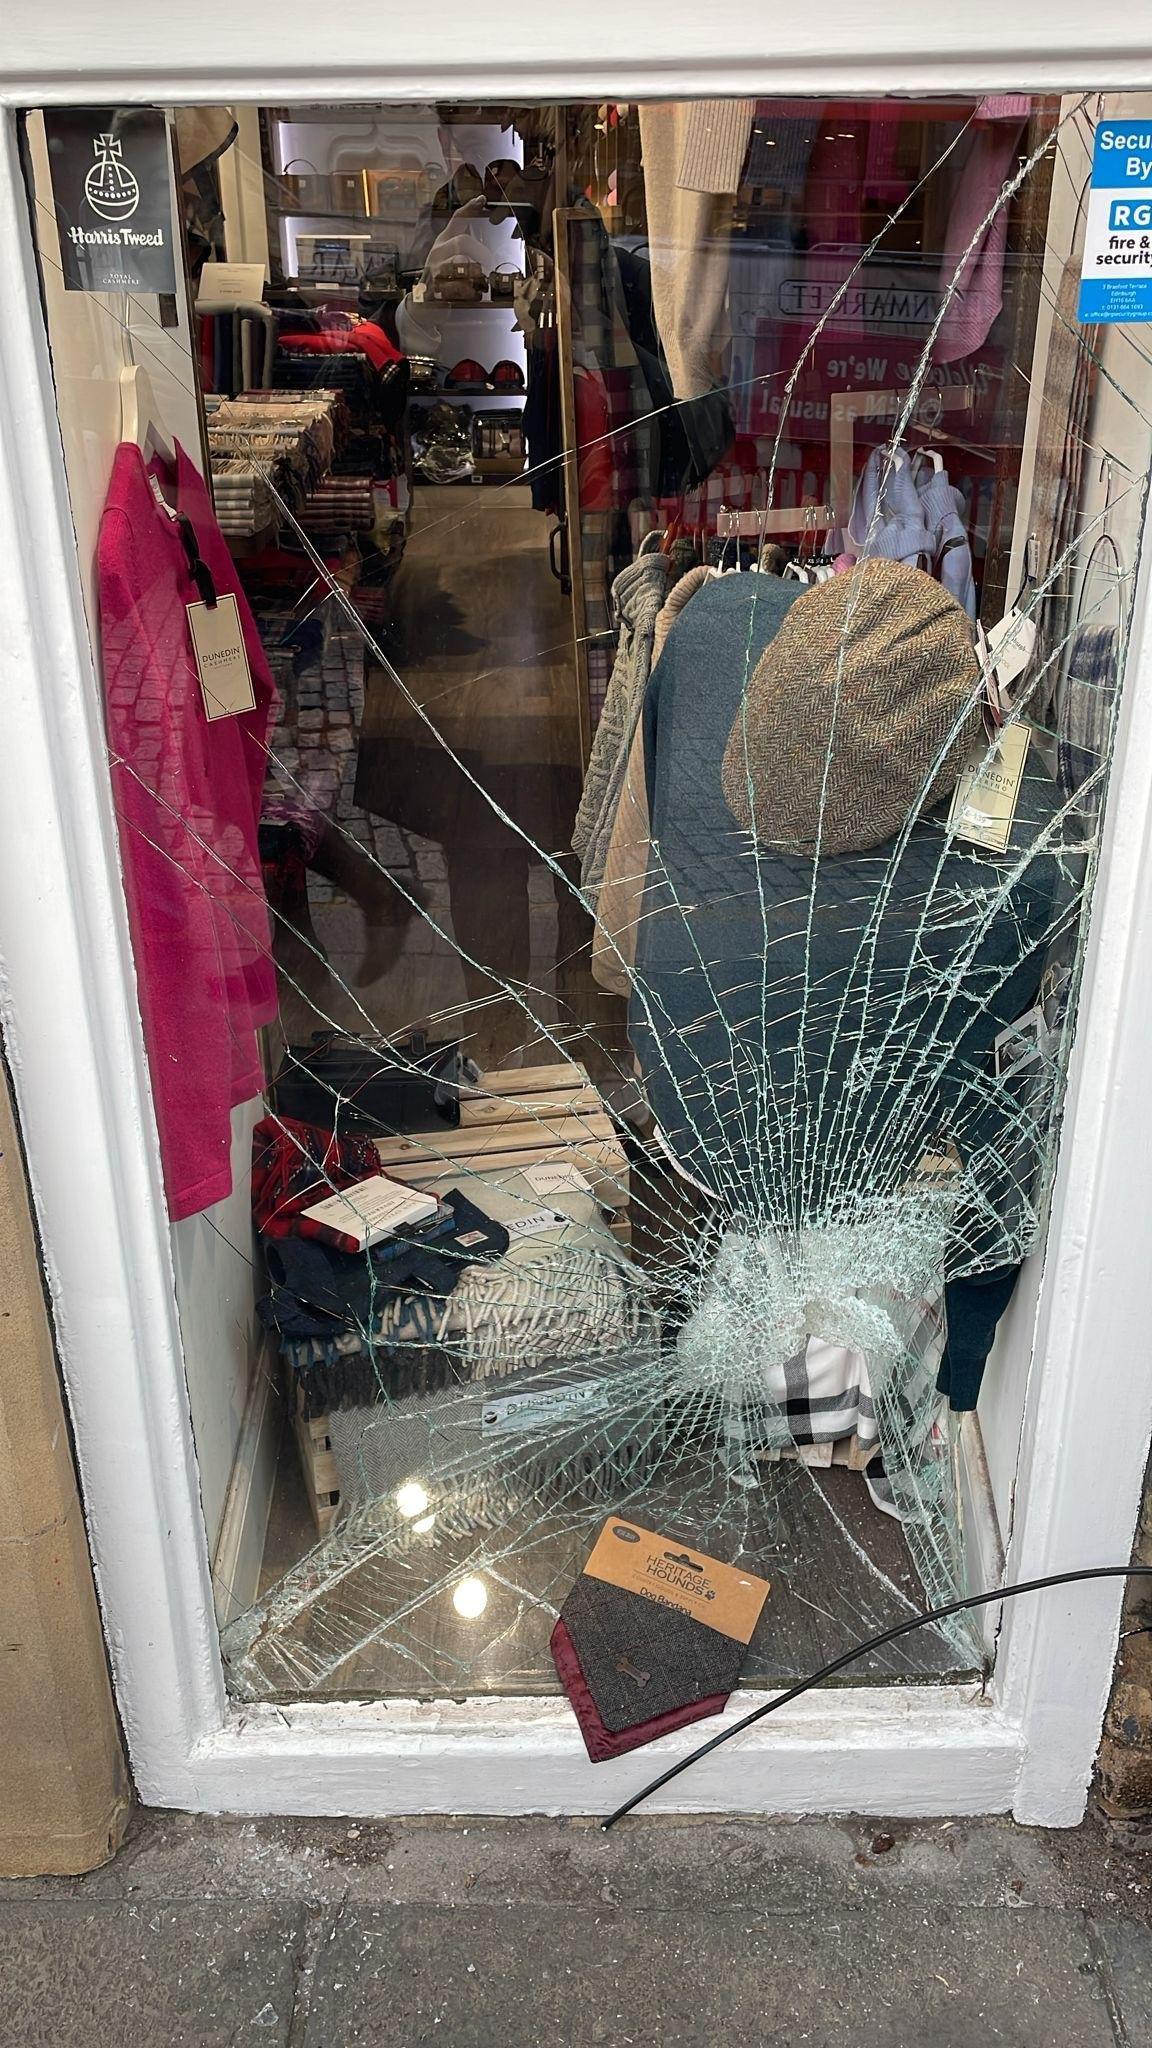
<point x="858" y="716"/>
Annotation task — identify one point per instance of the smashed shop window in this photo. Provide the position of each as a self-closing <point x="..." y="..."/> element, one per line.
<point x="617" y="924"/>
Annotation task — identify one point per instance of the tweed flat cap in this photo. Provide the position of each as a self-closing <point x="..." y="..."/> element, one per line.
<point x="861" y="711"/>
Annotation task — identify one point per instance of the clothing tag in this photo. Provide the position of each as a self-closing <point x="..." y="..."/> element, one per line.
<point x="940" y="1163"/>
<point x="535" y="1222"/>
<point x="233" y="282"/>
<point x="221" y="658"/>
<point x="373" y="1209"/>
<point x="984" y="800"/>
<point x="158" y="494"/>
<point x="1010" y="645"/>
<point x="660" y="1569"/>
<point x="556" y="1177"/>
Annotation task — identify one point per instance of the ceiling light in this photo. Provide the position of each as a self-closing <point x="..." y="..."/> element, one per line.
<point x="470" y="1599"/>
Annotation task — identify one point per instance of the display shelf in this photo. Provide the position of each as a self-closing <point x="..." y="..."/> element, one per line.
<point x="468" y="483"/>
<point x="383" y="220"/>
<point x="371" y="220"/>
<point x="484" y="398"/>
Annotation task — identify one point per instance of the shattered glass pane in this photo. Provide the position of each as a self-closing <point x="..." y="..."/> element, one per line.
<point x="697" y="625"/>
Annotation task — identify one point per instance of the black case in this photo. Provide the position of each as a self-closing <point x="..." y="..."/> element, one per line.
<point x="363" y="1088"/>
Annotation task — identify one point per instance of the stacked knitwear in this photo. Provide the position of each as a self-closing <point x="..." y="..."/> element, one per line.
<point x="288" y="439"/>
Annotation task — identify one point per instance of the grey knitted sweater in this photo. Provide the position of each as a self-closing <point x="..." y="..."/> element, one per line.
<point x="637" y="595"/>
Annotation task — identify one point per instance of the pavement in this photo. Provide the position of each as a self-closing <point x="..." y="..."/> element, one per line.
<point x="537" y="1933"/>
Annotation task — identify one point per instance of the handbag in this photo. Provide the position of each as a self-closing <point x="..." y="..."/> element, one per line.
<point x="504" y="281"/>
<point x="498" y="444"/>
<point x="310" y="188"/>
<point x="397" y="194"/>
<point x="373" y="1087"/>
<point x="423" y="373"/>
<point x="459" y="283"/>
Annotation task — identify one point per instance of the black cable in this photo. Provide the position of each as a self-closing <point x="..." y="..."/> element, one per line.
<point x="904" y="1628"/>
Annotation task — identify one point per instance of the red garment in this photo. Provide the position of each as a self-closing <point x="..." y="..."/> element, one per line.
<point x="295" y="1165"/>
<point x="600" y="1741"/>
<point x="594" y="448"/>
<point x="369" y="339"/>
<point x="187" y="796"/>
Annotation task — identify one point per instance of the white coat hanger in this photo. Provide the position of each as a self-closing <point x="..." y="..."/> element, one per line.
<point x="721" y="568"/>
<point x="139" y="412"/>
<point x="738" y="564"/>
<point x="802" y="568"/>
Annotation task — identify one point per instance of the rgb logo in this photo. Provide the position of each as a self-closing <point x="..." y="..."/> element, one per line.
<point x="1132" y="214"/>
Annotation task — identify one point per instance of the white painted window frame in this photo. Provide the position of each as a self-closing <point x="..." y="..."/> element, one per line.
<point x="74" y="1041"/>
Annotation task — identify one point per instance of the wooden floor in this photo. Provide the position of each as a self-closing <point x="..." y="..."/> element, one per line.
<point x="475" y="762"/>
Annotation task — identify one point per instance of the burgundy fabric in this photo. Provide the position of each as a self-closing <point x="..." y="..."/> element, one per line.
<point x="187" y="796"/>
<point x="599" y="1741"/>
<point x="294" y="1165"/>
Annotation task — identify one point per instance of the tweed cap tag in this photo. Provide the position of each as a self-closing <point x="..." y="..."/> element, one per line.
<point x="985" y="798"/>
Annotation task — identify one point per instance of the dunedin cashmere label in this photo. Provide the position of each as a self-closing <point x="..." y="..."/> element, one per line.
<point x="221" y="658"/>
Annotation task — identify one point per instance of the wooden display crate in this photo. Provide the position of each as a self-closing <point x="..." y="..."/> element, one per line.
<point x="318" y="1466"/>
<point x="515" y="1117"/>
<point x="518" y="1117"/>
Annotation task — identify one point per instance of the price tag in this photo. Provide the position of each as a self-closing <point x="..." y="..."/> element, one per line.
<point x="985" y="798"/>
<point x="221" y="658"/>
<point x="1010" y="647"/>
<point x="557" y="1177"/>
<point x="234" y="283"/>
<point x="661" y="1569"/>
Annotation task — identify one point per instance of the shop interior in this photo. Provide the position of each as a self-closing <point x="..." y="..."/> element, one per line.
<point x="465" y="394"/>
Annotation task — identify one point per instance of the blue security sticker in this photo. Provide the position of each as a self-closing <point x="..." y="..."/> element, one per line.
<point x="1116" y="275"/>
